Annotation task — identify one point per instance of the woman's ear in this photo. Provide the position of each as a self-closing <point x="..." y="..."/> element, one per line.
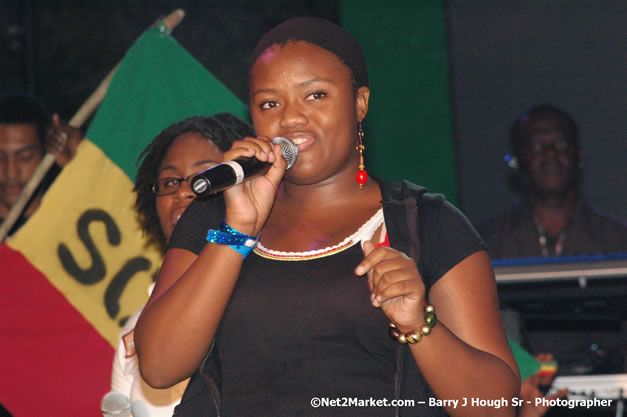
<point x="361" y="102"/>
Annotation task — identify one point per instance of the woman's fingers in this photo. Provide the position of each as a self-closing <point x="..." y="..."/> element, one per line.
<point x="249" y="203"/>
<point x="397" y="283"/>
<point x="372" y="256"/>
<point x="259" y="147"/>
<point x="391" y="274"/>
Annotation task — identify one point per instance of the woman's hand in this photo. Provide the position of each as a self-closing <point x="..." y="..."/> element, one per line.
<point x="395" y="285"/>
<point x="248" y="205"/>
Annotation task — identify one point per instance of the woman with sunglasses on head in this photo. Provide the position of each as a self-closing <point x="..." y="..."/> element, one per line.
<point x="323" y="307"/>
<point x="163" y="193"/>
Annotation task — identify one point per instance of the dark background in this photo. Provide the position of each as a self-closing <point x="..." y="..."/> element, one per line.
<point x="504" y="56"/>
<point x="60" y="50"/>
<point x="507" y="56"/>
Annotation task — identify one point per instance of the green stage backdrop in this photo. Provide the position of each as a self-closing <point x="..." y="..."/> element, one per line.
<point x="408" y="132"/>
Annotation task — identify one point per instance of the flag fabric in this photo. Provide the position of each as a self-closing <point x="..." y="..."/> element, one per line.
<point x="80" y="266"/>
<point x="527" y="364"/>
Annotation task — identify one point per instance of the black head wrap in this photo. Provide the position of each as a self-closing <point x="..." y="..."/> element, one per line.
<point x="322" y="33"/>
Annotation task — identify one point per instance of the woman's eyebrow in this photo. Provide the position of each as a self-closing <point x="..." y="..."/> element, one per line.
<point x="173" y="168"/>
<point x="299" y="85"/>
<point x="315" y="80"/>
<point x="205" y="161"/>
<point x="264" y="90"/>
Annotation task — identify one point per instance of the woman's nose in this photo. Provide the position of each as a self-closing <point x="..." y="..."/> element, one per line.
<point x="185" y="190"/>
<point x="292" y="116"/>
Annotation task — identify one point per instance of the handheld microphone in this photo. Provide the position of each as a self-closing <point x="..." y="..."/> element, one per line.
<point x="227" y="174"/>
<point x="115" y="404"/>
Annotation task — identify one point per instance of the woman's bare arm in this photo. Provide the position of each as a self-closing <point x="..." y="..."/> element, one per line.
<point x="467" y="355"/>
<point x="179" y="322"/>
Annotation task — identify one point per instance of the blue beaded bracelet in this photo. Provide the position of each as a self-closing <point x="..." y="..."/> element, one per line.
<point x="226" y="235"/>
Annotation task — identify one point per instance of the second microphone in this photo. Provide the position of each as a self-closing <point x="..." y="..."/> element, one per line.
<point x="227" y="174"/>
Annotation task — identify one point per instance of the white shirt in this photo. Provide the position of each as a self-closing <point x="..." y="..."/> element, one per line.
<point x="145" y="400"/>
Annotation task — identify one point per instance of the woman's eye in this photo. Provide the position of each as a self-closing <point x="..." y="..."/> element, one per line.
<point x="316" y="96"/>
<point x="167" y="183"/>
<point x="267" y="105"/>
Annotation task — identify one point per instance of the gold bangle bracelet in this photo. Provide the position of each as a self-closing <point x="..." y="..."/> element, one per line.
<point x="415" y="335"/>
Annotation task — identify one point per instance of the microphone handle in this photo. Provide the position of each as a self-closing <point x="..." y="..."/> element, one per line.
<point x="227" y="174"/>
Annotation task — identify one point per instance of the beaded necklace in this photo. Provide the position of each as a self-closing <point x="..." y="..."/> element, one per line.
<point x="545" y="241"/>
<point x="365" y="232"/>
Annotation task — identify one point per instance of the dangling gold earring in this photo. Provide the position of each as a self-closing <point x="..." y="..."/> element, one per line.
<point x="362" y="175"/>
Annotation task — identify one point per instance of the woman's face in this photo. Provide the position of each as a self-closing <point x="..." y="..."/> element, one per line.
<point x="305" y="93"/>
<point x="189" y="154"/>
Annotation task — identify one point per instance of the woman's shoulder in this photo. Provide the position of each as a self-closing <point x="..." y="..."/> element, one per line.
<point x="392" y="190"/>
<point x="399" y="192"/>
<point x="445" y="235"/>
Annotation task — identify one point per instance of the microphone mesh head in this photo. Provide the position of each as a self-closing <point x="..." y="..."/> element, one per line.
<point x="288" y="149"/>
<point x="115" y="404"/>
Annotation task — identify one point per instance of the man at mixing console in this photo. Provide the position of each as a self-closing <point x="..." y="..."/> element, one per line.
<point x="551" y="218"/>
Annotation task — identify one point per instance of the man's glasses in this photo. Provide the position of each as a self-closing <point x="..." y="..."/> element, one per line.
<point x="167" y="186"/>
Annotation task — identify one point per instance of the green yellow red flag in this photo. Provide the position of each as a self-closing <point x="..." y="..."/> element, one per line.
<point x="80" y="266"/>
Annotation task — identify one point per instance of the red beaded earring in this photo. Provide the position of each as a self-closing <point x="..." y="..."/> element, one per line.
<point x="362" y="175"/>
